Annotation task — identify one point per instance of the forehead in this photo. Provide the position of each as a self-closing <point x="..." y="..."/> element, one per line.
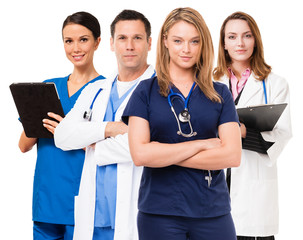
<point x="183" y="29"/>
<point x="130" y="27"/>
<point x="72" y="30"/>
<point x="237" y="26"/>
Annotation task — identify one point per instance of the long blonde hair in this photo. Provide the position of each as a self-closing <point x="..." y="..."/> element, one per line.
<point x="257" y="63"/>
<point x="204" y="65"/>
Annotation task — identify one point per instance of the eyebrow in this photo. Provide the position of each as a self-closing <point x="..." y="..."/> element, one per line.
<point x="241" y="33"/>
<point x="79" y="37"/>
<point x="134" y="35"/>
<point x="196" y="37"/>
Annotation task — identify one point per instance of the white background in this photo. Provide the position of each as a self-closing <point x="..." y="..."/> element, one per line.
<point x="32" y="50"/>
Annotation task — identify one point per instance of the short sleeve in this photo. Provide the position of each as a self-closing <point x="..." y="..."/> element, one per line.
<point x="137" y="104"/>
<point x="228" y="111"/>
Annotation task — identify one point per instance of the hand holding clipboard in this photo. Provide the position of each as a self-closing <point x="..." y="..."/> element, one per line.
<point x="34" y="101"/>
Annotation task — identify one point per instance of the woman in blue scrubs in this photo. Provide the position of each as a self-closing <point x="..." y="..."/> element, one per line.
<point x="58" y="173"/>
<point x="183" y="192"/>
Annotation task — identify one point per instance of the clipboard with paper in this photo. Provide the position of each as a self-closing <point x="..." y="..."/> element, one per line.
<point x="261" y="117"/>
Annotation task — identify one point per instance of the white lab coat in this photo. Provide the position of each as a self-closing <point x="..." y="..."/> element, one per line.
<point x="73" y="133"/>
<point x="254" y="185"/>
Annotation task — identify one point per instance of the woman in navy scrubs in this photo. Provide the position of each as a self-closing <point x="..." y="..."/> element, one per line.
<point x="58" y="173"/>
<point x="183" y="192"/>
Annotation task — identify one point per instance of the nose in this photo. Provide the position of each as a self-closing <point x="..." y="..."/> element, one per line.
<point x="130" y="44"/>
<point x="77" y="47"/>
<point x="240" y="41"/>
<point x="186" y="47"/>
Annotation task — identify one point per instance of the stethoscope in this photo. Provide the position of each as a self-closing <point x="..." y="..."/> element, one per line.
<point x="184" y="115"/>
<point x="88" y="114"/>
<point x="265" y="93"/>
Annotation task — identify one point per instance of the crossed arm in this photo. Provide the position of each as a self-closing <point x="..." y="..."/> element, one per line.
<point x="209" y="154"/>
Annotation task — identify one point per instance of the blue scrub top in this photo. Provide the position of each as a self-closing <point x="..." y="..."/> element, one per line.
<point x="58" y="173"/>
<point x="175" y="190"/>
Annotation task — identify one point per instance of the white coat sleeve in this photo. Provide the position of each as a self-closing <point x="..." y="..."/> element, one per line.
<point x="112" y="150"/>
<point x="282" y="132"/>
<point x="74" y="132"/>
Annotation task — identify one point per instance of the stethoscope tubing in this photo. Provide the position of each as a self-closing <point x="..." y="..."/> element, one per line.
<point x="265" y="93"/>
<point x="185" y="100"/>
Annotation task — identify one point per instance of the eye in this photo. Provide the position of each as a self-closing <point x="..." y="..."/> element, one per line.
<point x="138" y="38"/>
<point x="231" y="37"/>
<point x="67" y="41"/>
<point x="195" y="41"/>
<point x="248" y="35"/>
<point x="84" y="39"/>
<point x="177" y="41"/>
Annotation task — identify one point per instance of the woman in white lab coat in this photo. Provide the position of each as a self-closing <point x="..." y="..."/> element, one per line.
<point x="253" y="186"/>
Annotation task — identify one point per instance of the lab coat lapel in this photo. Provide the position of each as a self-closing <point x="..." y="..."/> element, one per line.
<point x="146" y="75"/>
<point x="104" y="98"/>
<point x="252" y="88"/>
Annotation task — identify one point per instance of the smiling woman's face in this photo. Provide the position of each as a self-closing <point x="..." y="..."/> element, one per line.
<point x="239" y="41"/>
<point x="79" y="44"/>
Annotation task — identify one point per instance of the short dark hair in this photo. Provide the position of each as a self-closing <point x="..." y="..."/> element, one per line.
<point x="85" y="19"/>
<point x="131" y="15"/>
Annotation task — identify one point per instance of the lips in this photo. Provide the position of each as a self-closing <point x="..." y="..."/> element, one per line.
<point x="241" y="51"/>
<point x="185" y="58"/>
<point x="78" y="57"/>
<point x="129" y="56"/>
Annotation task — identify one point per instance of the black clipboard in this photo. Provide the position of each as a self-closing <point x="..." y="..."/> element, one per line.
<point x="262" y="117"/>
<point x="33" y="101"/>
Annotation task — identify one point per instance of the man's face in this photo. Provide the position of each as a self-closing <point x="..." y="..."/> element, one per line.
<point x="130" y="45"/>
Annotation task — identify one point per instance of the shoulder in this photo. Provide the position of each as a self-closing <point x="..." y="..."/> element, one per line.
<point x="145" y="90"/>
<point x="274" y="78"/>
<point x="101" y="83"/>
<point x="277" y="85"/>
<point x="93" y="88"/>
<point x="57" y="80"/>
<point x="221" y="88"/>
<point x="148" y="85"/>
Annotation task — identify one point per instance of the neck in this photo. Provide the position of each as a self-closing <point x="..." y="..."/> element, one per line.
<point x="183" y="79"/>
<point x="238" y="68"/>
<point x="83" y="75"/>
<point x="180" y="76"/>
<point x="130" y="74"/>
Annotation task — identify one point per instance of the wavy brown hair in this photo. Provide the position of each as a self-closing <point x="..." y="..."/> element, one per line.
<point x="202" y="70"/>
<point x="257" y="63"/>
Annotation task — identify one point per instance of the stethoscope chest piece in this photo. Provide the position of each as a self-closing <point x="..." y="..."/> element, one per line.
<point x="87" y="115"/>
<point x="184" y="116"/>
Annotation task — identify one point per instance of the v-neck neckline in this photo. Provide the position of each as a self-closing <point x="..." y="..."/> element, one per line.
<point x="81" y="88"/>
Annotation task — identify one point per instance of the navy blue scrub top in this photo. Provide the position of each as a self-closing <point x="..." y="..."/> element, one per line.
<point x="58" y="172"/>
<point x="175" y="190"/>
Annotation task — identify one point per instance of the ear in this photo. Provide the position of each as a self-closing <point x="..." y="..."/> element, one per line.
<point x="112" y="44"/>
<point x="149" y="43"/>
<point x="165" y="40"/>
<point x="97" y="43"/>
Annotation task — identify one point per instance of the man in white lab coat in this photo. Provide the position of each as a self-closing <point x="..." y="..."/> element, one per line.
<point x="106" y="206"/>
